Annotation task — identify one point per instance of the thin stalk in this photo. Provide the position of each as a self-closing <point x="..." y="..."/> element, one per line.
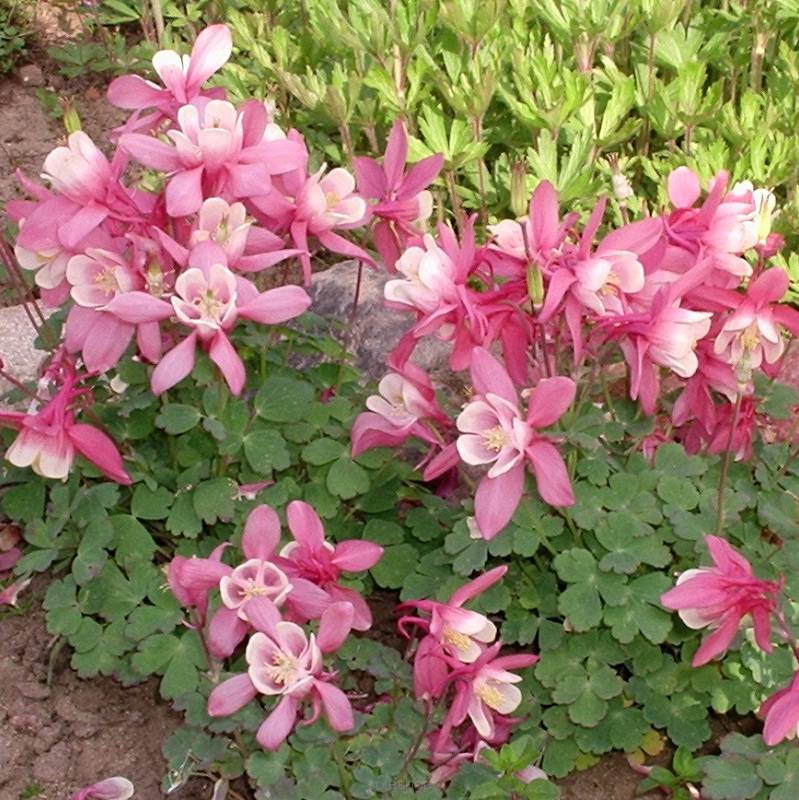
<point x="18" y="385"/>
<point x="457" y="205"/>
<point x="158" y="18"/>
<point x="417" y="742"/>
<point x="650" y="91"/>
<point x="725" y="465"/>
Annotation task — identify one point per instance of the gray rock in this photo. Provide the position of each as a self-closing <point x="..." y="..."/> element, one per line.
<point x="31" y="75"/>
<point x="18" y="354"/>
<point x="376" y="330"/>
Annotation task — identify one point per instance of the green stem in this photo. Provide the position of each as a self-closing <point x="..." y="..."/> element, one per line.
<point x="725" y="466"/>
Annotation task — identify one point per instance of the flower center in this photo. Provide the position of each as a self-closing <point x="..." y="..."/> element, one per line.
<point x="332" y="199"/>
<point x="457" y="640"/>
<point x="750" y="338"/>
<point x="284" y="668"/>
<point x="209" y="305"/>
<point x="495" y="438"/>
<point x="488" y="691"/>
<point x="253" y="589"/>
<point x="106" y="281"/>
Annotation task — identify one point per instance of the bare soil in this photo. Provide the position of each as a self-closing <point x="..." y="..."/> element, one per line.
<point x="59" y="737"/>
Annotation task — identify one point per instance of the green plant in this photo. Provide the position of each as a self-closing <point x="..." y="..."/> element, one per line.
<point x="13" y="35"/>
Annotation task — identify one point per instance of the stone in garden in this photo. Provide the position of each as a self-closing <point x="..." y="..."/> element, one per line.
<point x="31" y="75"/>
<point x="376" y="329"/>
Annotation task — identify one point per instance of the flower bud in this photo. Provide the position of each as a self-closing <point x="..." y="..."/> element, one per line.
<point x="71" y="118"/>
<point x="535" y="285"/>
<point x="519" y="196"/>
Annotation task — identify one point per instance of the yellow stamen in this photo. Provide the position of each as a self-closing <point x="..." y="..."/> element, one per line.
<point x="460" y="641"/>
<point x="495" y="438"/>
<point x="489" y="693"/>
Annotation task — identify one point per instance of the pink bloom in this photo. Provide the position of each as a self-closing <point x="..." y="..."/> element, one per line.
<point x="740" y="439"/>
<point x="720" y="230"/>
<point x="324" y="202"/>
<point x="494" y="431"/>
<point x="98" y="276"/>
<point x="283" y="661"/>
<point x="719" y="598"/>
<point x="192" y="579"/>
<point x="404" y="407"/>
<point x="751" y="334"/>
<point x="209" y="299"/>
<point x="313" y="559"/>
<point x="461" y="634"/>
<point x="108" y="789"/>
<point x="486" y="692"/>
<point x="217" y="150"/>
<point x="253" y="578"/>
<point x="78" y="171"/>
<point x="403" y="201"/>
<point x="48" y="439"/>
<point x="8" y="596"/>
<point x="183" y="76"/>
<point x="429" y="279"/>
<point x="329" y="201"/>
<point x="781" y="713"/>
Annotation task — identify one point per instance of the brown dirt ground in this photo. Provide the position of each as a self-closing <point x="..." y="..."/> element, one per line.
<point x="60" y="737"/>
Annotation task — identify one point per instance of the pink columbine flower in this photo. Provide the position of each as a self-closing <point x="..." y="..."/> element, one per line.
<point x="209" y="299"/>
<point x="494" y="431"/>
<point x="218" y="149"/>
<point x="98" y="276"/>
<point x="751" y="334"/>
<point x="283" y="661"/>
<point x="429" y="279"/>
<point x="108" y="789"/>
<point x="253" y="578"/>
<point x="183" y="76"/>
<point x="461" y="633"/>
<point x="720" y="229"/>
<point x="781" y="714"/>
<point x="325" y="202"/>
<point x="78" y="171"/>
<point x="313" y="559"/>
<point x="403" y="201"/>
<point x="192" y="579"/>
<point x="48" y="439"/>
<point x="720" y="597"/>
<point x="486" y="692"/>
<point x="404" y="404"/>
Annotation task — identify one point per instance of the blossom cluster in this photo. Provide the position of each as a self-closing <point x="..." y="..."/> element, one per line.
<point x="160" y="245"/>
<point x="723" y="598"/>
<point x="687" y="292"/>
<point x="457" y="660"/>
<point x="269" y="599"/>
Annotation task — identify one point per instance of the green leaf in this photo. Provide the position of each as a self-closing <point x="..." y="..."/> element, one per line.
<point x="24" y="503"/>
<point x="322" y="451"/>
<point x="678" y="492"/>
<point x="581" y="605"/>
<point x="731" y="777"/>
<point x="149" y="504"/>
<point x="398" y="561"/>
<point x="177" y="418"/>
<point x="282" y="399"/>
<point x="134" y="543"/>
<point x="346" y="479"/>
<point x="265" y="451"/>
<point x="213" y="500"/>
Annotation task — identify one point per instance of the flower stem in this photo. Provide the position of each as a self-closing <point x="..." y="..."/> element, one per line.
<point x="725" y="465"/>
